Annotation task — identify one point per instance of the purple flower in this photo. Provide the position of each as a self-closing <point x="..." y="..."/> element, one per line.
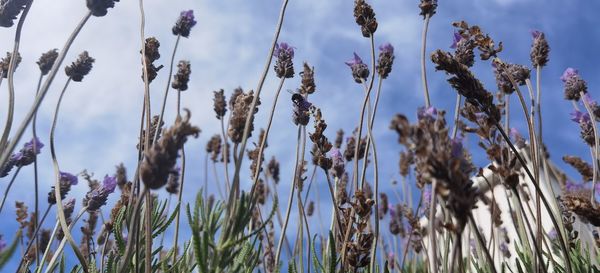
<point x="67" y="177"/>
<point x="569" y="73"/>
<point x="283" y="48"/>
<point x="284" y="65"/>
<point x="360" y="71"/>
<point x="504" y="250"/>
<point x="355" y="61"/>
<point x="338" y="162"/>
<point x="456" y="38"/>
<point x="427" y="194"/>
<point x="387" y="48"/>
<point x="184" y="23"/>
<point x="536" y="33"/>
<point x="427" y="113"/>
<point x="457" y="147"/>
<point x="69" y="207"/>
<point x="2" y="244"/>
<point x="571" y="186"/>
<point x="580" y="117"/>
<point x="28" y="153"/>
<point x="97" y="197"/>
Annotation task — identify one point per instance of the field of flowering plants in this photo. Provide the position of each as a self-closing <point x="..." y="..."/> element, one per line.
<point x="369" y="136"/>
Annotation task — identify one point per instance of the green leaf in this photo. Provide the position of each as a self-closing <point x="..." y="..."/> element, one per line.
<point x="167" y="224"/>
<point x="332" y="253"/>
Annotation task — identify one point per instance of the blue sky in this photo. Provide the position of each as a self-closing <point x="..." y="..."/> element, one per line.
<point x="227" y="48"/>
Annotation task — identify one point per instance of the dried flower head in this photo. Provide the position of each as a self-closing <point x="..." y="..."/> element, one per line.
<point x="173" y="181"/>
<point x="151" y="46"/>
<point x="66" y="181"/>
<point x="5" y="63"/>
<point x="284" y="66"/>
<point x="308" y="80"/>
<point x="97" y="197"/>
<point x="181" y="79"/>
<point x="463" y="49"/>
<point x="337" y="160"/>
<point x="80" y="68"/>
<point x="517" y="138"/>
<point x="310" y="210"/>
<point x="365" y="18"/>
<point x="220" y="103"/>
<point x="7" y="167"/>
<point x="385" y="60"/>
<point x="587" y="99"/>
<point x="28" y="153"/>
<point x="184" y="23"/>
<point x="580" y="203"/>
<point x="574" y="84"/>
<point x="586" y="171"/>
<point x="360" y="71"/>
<point x="9" y="10"/>
<point x="47" y="60"/>
<point x="100" y="8"/>
<point x="121" y="175"/>
<point x="539" y="49"/>
<point x="484" y="42"/>
<point x="506" y="72"/>
<point x="323" y="146"/>
<point x="160" y="159"/>
<point x="339" y="139"/>
<point x="153" y="126"/>
<point x="273" y="169"/>
<point x="240" y="111"/>
<point x="213" y="147"/>
<point x="428" y="7"/>
<point x="22" y="214"/>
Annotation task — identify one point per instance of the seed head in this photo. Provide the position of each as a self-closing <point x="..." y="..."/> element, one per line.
<point x="385" y="60"/>
<point x="160" y="160"/>
<point x="428" y="7"/>
<point x="365" y="18"/>
<point x="181" y="79"/>
<point x="184" y="23"/>
<point x="539" y="49"/>
<point x="308" y="80"/>
<point x="151" y="50"/>
<point x="80" y="68"/>
<point x="9" y="10"/>
<point x="5" y="63"/>
<point x="100" y="8"/>
<point x="47" y="60"/>
<point x="284" y="66"/>
<point x="220" y="103"/>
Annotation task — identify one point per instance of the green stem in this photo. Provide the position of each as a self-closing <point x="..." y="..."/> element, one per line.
<point x="423" y="69"/>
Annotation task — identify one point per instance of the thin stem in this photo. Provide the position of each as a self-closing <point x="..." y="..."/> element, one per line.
<point x="236" y="176"/>
<point x="181" y="180"/>
<point x="133" y="226"/>
<point x="432" y="233"/>
<point x="12" y="180"/>
<point x="290" y="201"/>
<point x="224" y="154"/>
<point x="264" y="138"/>
<point x="164" y="103"/>
<point x="456" y="115"/>
<point x="35" y="174"/>
<point x="482" y="243"/>
<point x="63" y="242"/>
<point x="423" y="69"/>
<point x="42" y="93"/>
<point x="11" y="71"/>
<point x="57" y="194"/>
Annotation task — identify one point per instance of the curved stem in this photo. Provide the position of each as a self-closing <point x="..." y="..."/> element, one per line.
<point x="595" y="150"/>
<point x="42" y="93"/>
<point x="236" y="176"/>
<point x="57" y="194"/>
<point x="11" y="71"/>
<point x="164" y="103"/>
<point x="290" y="202"/>
<point x="12" y="180"/>
<point x="423" y="69"/>
<point x="63" y="242"/>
